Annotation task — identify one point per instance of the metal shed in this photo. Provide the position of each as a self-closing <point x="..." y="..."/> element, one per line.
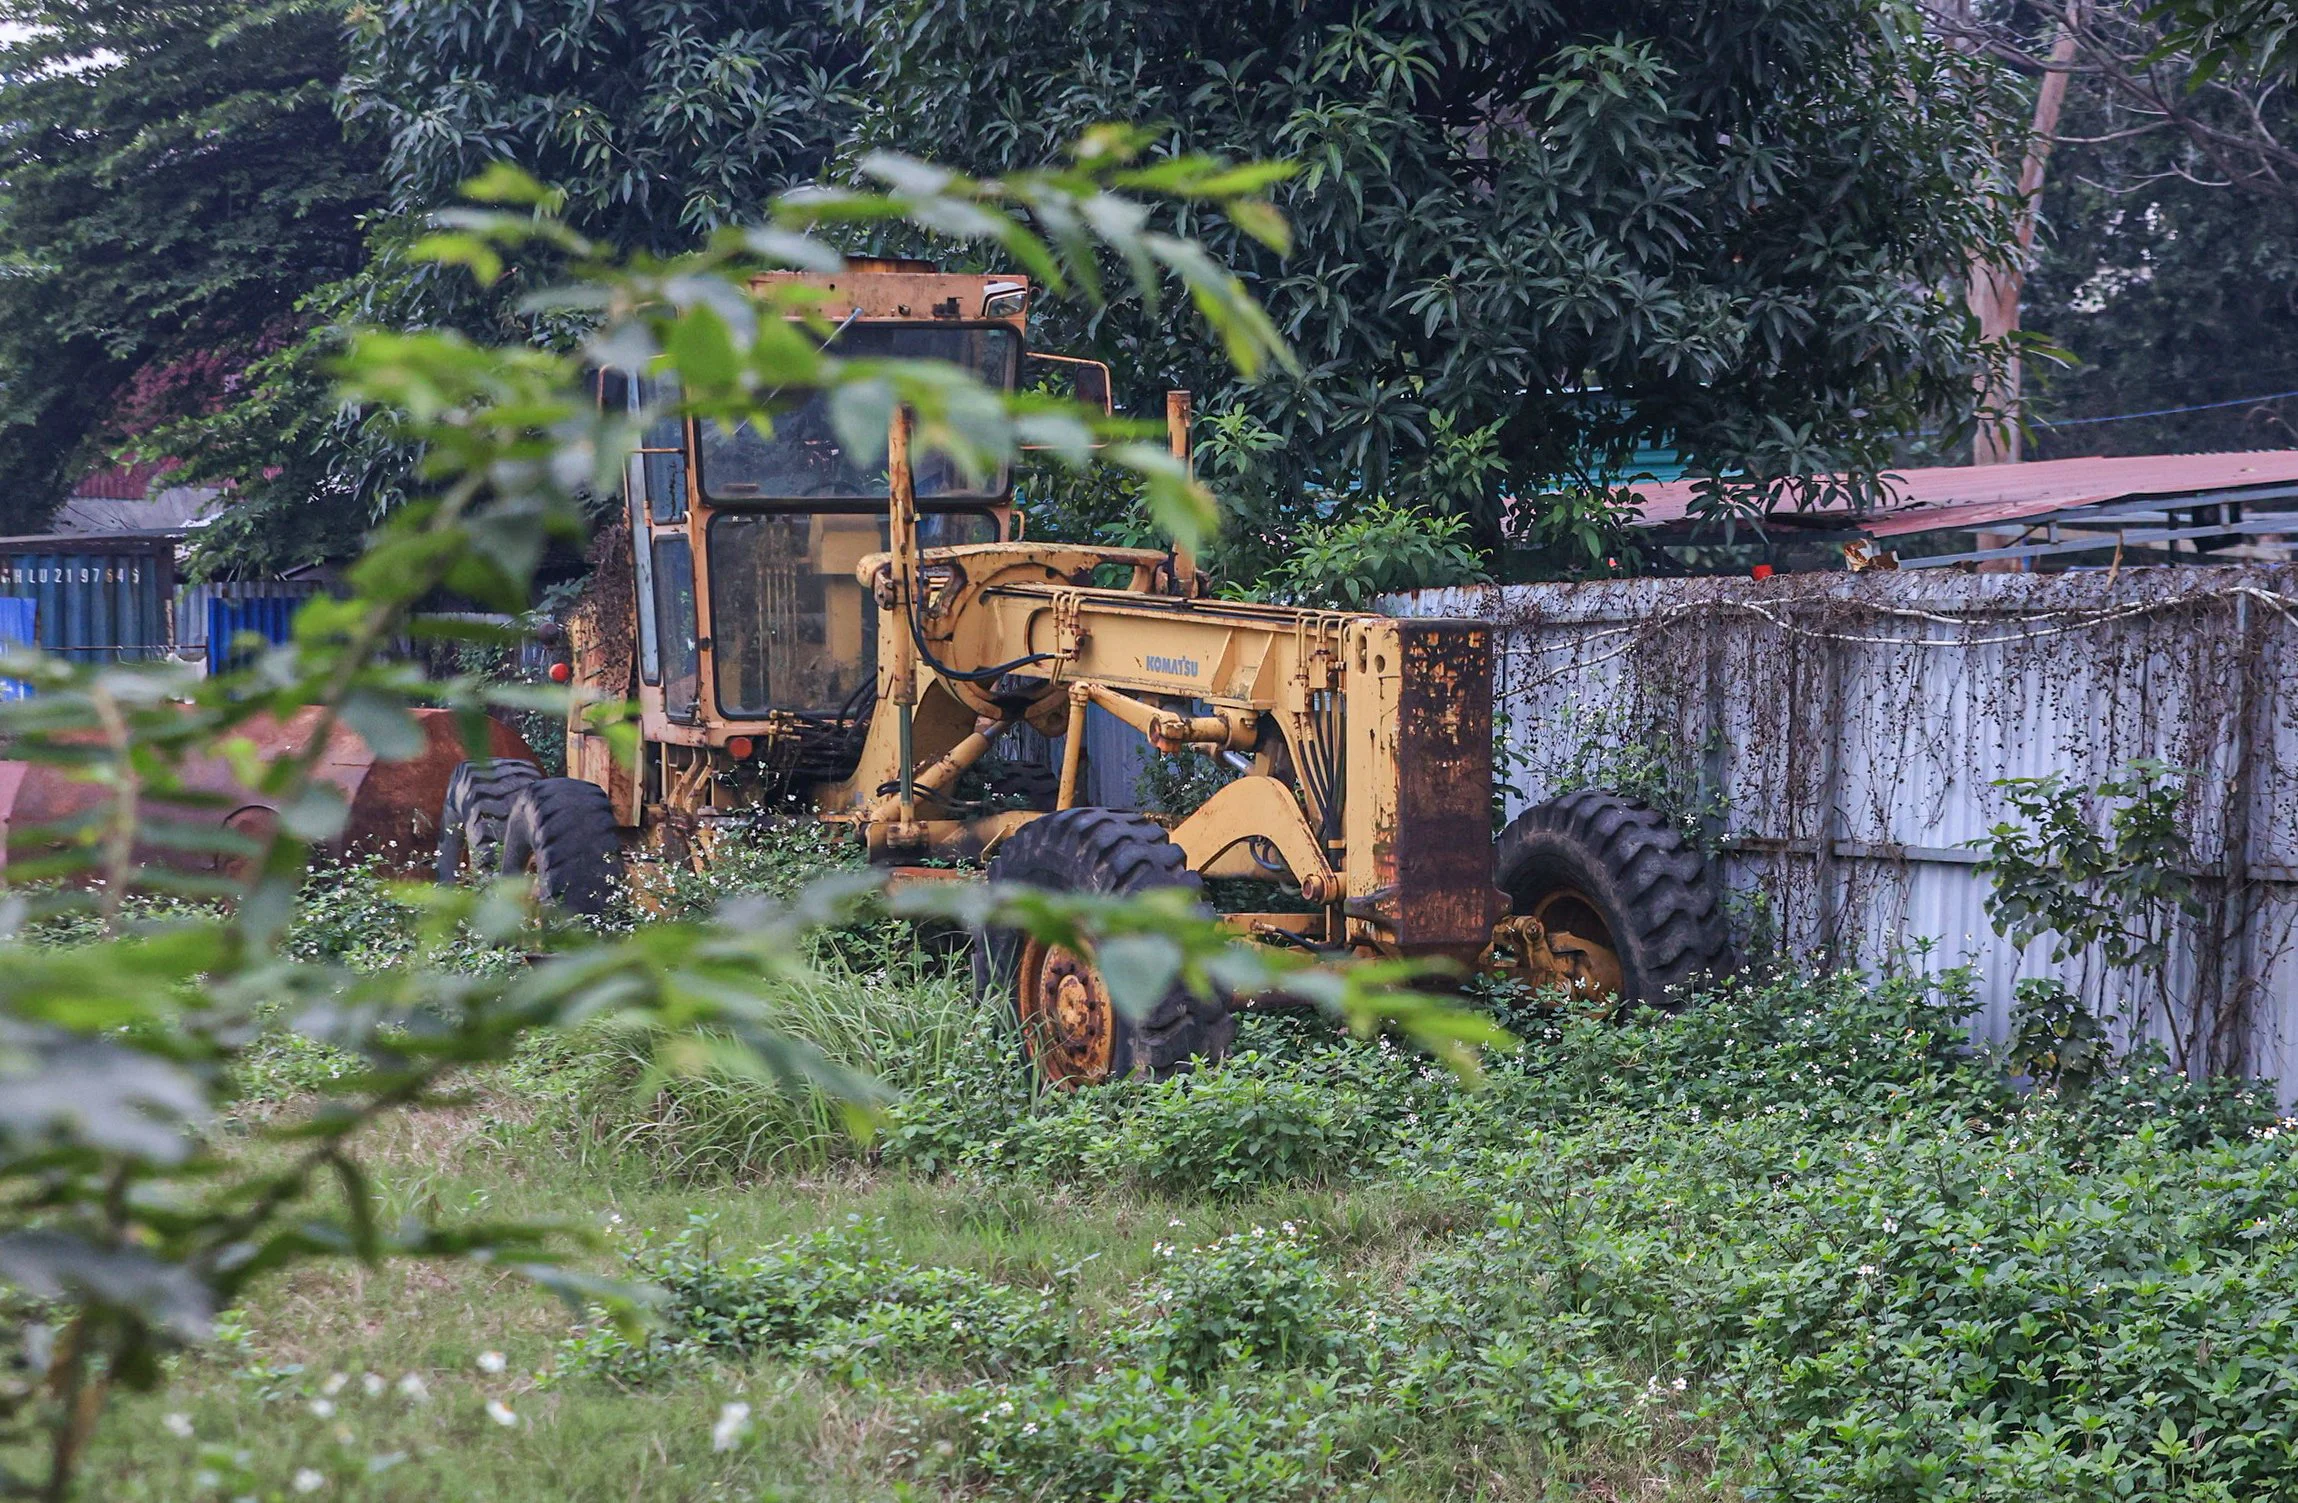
<point x="2147" y="508"/>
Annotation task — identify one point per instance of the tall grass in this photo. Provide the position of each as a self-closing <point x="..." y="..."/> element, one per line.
<point x="901" y="1022"/>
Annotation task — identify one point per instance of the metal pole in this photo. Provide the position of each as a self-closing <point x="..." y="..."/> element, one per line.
<point x="902" y="517"/>
<point x="1073" y="746"/>
<point x="1177" y="413"/>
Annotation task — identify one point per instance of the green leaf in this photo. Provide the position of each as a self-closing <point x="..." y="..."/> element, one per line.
<point x="1139" y="969"/>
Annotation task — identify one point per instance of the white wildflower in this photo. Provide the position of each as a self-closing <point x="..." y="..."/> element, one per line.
<point x="178" y="1425"/>
<point x="733" y="1424"/>
<point x="492" y="1362"/>
<point x="309" y="1480"/>
<point x="500" y="1413"/>
<point x="413" y="1387"/>
<point x="324" y="1408"/>
<point x="372" y="1385"/>
<point x="334" y="1384"/>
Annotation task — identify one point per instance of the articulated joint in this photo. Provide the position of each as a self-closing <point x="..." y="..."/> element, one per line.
<point x="938" y="778"/>
<point x="1233" y="730"/>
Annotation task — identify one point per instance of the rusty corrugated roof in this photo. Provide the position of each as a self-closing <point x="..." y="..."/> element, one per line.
<point x="1965" y="496"/>
<point x="123" y="482"/>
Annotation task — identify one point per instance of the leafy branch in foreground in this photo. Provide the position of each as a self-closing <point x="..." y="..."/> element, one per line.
<point x="129" y="1222"/>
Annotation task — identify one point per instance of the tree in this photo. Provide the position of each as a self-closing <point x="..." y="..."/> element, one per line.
<point x="2164" y="270"/>
<point x="660" y="119"/>
<point x="2168" y="291"/>
<point x="172" y="180"/>
<point x="1742" y="229"/>
<point x="2262" y="34"/>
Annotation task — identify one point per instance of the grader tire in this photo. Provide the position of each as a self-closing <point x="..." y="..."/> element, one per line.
<point x="1071" y="1031"/>
<point x="1614" y="872"/>
<point x="562" y="833"/>
<point x="479" y="799"/>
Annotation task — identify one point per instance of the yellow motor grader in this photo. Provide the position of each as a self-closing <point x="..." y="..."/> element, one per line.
<point x="797" y="622"/>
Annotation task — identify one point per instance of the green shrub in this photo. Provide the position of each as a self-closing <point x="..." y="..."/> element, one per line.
<point x="836" y="1299"/>
<point x="1807" y="1237"/>
<point x="1135" y="1434"/>
<point x="1234" y="1128"/>
<point x="1252" y="1299"/>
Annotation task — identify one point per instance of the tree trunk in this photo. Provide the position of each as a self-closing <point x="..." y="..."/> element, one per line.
<point x="1995" y="290"/>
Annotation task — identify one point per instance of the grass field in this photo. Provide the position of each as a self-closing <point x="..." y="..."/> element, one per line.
<point x="1801" y="1242"/>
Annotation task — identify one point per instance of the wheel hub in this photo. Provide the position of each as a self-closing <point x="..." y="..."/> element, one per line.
<point x="1563" y="944"/>
<point x="1068" y="1023"/>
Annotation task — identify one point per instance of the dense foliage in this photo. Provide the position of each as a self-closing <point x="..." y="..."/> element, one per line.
<point x="2170" y="286"/>
<point x="661" y="120"/>
<point x="175" y="179"/>
<point x="1802" y="1238"/>
<point x="129" y="1222"/>
<point x="1585" y="225"/>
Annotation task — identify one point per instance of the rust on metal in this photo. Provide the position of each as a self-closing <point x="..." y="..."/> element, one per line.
<point x="1562" y="946"/>
<point x="602" y="645"/>
<point x="393" y="807"/>
<point x="1068" y="1022"/>
<point x="1930" y="498"/>
<point x="1444" y="901"/>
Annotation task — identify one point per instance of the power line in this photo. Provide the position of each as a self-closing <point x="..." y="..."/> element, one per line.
<point x="2125" y="417"/>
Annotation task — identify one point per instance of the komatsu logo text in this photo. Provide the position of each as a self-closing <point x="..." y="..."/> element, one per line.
<point x="1179" y="667"/>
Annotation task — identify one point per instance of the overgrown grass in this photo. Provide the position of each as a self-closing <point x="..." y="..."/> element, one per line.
<point x="1803" y="1242"/>
<point x="606" y="1101"/>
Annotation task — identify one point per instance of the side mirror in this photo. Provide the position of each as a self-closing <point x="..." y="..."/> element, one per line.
<point x="1085" y="382"/>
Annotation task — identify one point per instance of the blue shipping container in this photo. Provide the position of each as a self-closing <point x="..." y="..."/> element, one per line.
<point x="94" y="604"/>
<point x="19" y="621"/>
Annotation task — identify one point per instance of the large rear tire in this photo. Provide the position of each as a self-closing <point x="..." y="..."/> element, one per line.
<point x="1629" y="903"/>
<point x="561" y="832"/>
<point x="479" y="798"/>
<point x="1071" y="1031"/>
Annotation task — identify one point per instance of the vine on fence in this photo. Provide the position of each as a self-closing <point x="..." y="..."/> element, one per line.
<point x="1838" y="719"/>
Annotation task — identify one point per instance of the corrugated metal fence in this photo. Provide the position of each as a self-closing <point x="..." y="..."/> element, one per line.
<point x="1844" y="734"/>
<point x="1116" y="756"/>
<point x="262" y="606"/>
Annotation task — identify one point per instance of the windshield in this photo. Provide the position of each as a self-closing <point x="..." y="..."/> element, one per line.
<point x="802" y="459"/>
<point x="791" y="628"/>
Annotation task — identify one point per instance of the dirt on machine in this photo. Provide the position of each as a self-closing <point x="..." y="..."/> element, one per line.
<point x="867" y="637"/>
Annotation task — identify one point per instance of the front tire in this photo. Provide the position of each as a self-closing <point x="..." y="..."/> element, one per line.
<point x="1071" y="1031"/>
<point x="561" y="832"/>
<point x="1633" y="910"/>
<point x="479" y="799"/>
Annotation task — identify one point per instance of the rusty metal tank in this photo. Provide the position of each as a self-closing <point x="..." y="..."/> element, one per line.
<point x="394" y="806"/>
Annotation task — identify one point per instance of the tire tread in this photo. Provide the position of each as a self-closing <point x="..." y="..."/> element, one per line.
<point x="1668" y="916"/>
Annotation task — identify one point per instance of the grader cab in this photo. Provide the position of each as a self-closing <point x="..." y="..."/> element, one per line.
<point x="866" y="638"/>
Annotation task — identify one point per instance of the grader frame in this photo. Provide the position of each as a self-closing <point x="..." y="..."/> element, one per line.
<point x="1362" y="744"/>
